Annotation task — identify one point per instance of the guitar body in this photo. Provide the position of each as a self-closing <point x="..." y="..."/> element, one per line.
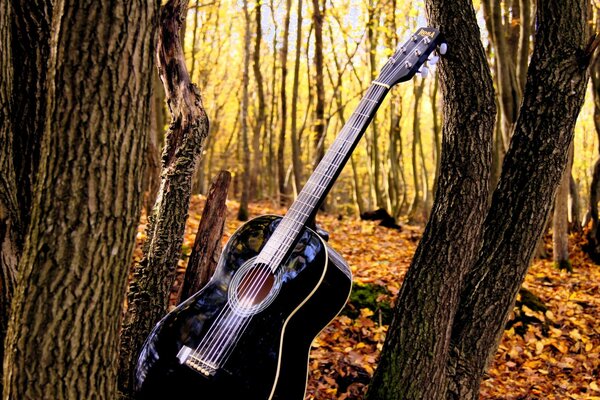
<point x="269" y="357"/>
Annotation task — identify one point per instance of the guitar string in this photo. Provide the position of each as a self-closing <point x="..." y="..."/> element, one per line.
<point x="340" y="150"/>
<point x="257" y="284"/>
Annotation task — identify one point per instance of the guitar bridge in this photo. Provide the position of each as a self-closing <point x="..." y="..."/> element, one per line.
<point x="189" y="357"/>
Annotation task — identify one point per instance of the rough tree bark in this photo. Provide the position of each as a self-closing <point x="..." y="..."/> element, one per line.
<point x="63" y="333"/>
<point x="154" y="275"/>
<point x="31" y="50"/>
<point x="207" y="245"/>
<point x="521" y="203"/>
<point x="414" y="355"/>
<point x="10" y="230"/>
<point x="25" y="47"/>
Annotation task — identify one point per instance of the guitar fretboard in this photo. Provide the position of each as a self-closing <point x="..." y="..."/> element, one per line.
<point x="318" y="185"/>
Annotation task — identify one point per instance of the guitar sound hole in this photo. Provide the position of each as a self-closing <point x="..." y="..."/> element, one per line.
<point x="255" y="286"/>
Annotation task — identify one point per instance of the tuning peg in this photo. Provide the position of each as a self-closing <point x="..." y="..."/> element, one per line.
<point x="424" y="71"/>
<point x="443" y="48"/>
<point x="433" y="59"/>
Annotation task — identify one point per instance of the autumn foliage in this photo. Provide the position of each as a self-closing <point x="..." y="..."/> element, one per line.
<point x="551" y="354"/>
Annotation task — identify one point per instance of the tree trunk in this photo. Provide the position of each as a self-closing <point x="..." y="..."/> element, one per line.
<point x="67" y="306"/>
<point x="296" y="161"/>
<point x="417" y="203"/>
<point x="533" y="167"/>
<point x="560" y="222"/>
<point x="153" y="277"/>
<point x="243" y="210"/>
<point x="508" y="89"/>
<point x="575" y="224"/>
<point x="207" y="245"/>
<point x="281" y="171"/>
<point x="30" y="52"/>
<point x="523" y="50"/>
<point x="372" y="36"/>
<point x="413" y="360"/>
<point x="155" y="139"/>
<point x="10" y="230"/>
<point x="261" y="118"/>
<point x="319" y="124"/>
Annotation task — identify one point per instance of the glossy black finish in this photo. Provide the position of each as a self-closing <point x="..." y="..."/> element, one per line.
<point x="315" y="286"/>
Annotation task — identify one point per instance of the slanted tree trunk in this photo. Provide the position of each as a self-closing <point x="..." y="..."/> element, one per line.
<point x="154" y="275"/>
<point x="64" y="328"/>
<point x="10" y="218"/>
<point x="207" y="245"/>
<point x="30" y="52"/>
<point x="413" y="360"/>
<point x="521" y="204"/>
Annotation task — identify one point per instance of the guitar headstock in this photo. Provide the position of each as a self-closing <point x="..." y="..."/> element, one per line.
<point x="410" y="57"/>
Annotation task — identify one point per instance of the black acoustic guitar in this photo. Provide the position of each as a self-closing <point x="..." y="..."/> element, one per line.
<point x="247" y="334"/>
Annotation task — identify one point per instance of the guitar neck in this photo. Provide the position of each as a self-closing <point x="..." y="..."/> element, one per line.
<point x="322" y="179"/>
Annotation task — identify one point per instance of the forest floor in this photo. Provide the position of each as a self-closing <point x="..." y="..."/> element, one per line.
<point x="551" y="354"/>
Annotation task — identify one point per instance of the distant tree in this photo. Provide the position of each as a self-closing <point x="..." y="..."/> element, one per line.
<point x="281" y="170"/>
<point x="64" y="327"/>
<point x="243" y="209"/>
<point x="446" y="327"/>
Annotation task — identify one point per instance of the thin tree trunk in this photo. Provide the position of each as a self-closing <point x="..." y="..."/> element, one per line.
<point x="413" y="360"/>
<point x="416" y="206"/>
<point x="281" y="170"/>
<point x="521" y="204"/>
<point x="575" y="222"/>
<point x="261" y="118"/>
<point x="372" y="37"/>
<point x="10" y="218"/>
<point x="243" y="210"/>
<point x="560" y="222"/>
<point x="319" y="123"/>
<point x="296" y="161"/>
<point x="437" y="132"/>
<point x="524" y="34"/>
<point x="508" y="89"/>
<point x="64" y="328"/>
<point x="207" y="245"/>
<point x="157" y="125"/>
<point x="154" y="275"/>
